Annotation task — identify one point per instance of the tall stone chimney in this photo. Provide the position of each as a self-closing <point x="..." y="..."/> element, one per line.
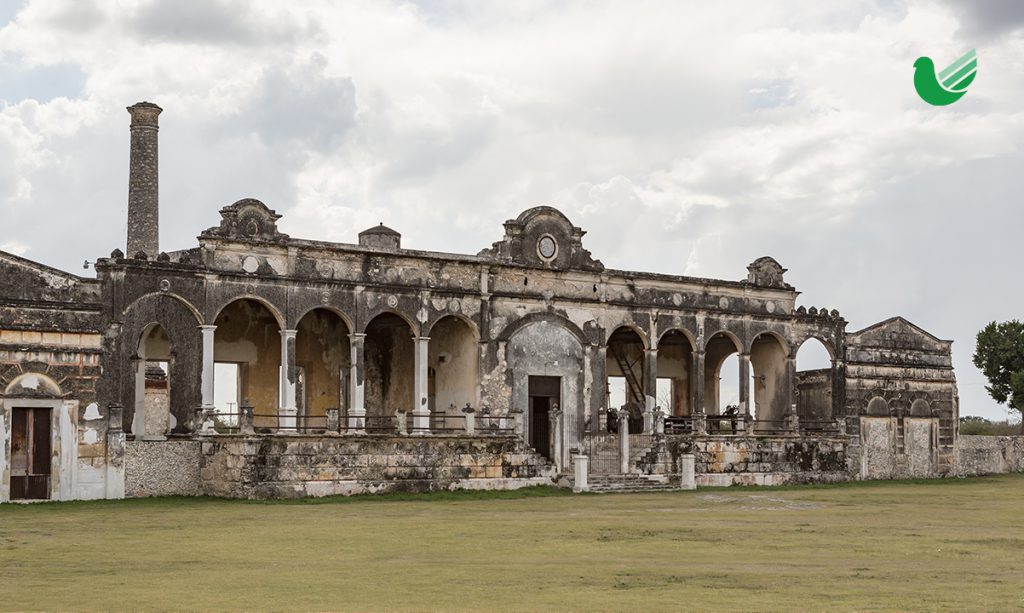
<point x="143" y="182"/>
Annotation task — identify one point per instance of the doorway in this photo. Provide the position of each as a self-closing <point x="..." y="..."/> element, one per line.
<point x="545" y="395"/>
<point x="30" y="453"/>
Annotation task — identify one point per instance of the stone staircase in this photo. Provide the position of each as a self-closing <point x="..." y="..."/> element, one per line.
<point x="630" y="483"/>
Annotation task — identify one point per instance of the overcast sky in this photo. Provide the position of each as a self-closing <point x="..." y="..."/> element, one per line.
<point x="688" y="138"/>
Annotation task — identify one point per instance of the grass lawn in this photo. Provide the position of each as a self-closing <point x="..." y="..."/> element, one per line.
<point x="953" y="545"/>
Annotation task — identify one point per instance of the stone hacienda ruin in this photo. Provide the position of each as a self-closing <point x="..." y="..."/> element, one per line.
<point x="372" y="367"/>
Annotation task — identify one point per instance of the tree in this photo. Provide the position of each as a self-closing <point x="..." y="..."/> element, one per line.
<point x="1000" y="356"/>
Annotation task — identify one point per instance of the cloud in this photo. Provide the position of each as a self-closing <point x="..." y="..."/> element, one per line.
<point x="214" y="22"/>
<point x="984" y="19"/>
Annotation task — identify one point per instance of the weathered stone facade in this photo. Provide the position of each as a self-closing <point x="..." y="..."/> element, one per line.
<point x="345" y="352"/>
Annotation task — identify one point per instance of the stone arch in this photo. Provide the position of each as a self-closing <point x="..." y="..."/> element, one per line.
<point x="877" y="406"/>
<point x="920" y="408"/>
<point x="545" y="366"/>
<point x="681" y="330"/>
<point x="627" y="368"/>
<point x="342" y="315"/>
<point x="675" y="364"/>
<point x="647" y="343"/>
<point x="374" y="314"/>
<point x="180" y="321"/>
<point x="814" y="380"/>
<point x="719" y="349"/>
<point x="390" y="368"/>
<point x="191" y="307"/>
<point x="453" y="370"/>
<point x="778" y="337"/>
<point x="33" y="384"/>
<point x="723" y="332"/>
<point x="152" y="370"/>
<point x="271" y="308"/>
<point x="248" y="336"/>
<point x="469" y="321"/>
<point x="821" y="338"/>
<point x="512" y="328"/>
<point x="323" y="361"/>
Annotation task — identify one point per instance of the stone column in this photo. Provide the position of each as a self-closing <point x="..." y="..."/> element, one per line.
<point x="697" y="377"/>
<point x="288" y="409"/>
<point x="143" y="181"/>
<point x="421" y="410"/>
<point x="687" y="476"/>
<point x="245" y="418"/>
<point x="580" y="464"/>
<point x="746" y="408"/>
<point x="139" y="419"/>
<point x="555" y="417"/>
<point x="114" y="470"/>
<point x="624" y="442"/>
<point x="206" y="381"/>
<point x="333" y="420"/>
<point x="650" y="387"/>
<point x="356" y="421"/>
<point x="790" y="383"/>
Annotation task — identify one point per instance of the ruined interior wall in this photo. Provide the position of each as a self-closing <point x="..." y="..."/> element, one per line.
<point x="297" y="466"/>
<point x="158" y="416"/>
<point x="633" y="354"/>
<point x="989" y="455"/>
<point x="322" y="350"/>
<point x="452" y="359"/>
<point x="814" y="394"/>
<point x="769" y="393"/>
<point x="390" y="363"/>
<point x="162" y="468"/>
<point x="674" y="363"/>
<point x="249" y="335"/>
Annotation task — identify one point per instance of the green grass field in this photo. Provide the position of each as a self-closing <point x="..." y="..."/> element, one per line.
<point x="954" y="545"/>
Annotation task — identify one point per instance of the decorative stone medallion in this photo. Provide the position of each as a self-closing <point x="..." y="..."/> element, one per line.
<point x="547" y="248"/>
<point x="165" y="285"/>
<point x="250" y="264"/>
<point x="392" y="301"/>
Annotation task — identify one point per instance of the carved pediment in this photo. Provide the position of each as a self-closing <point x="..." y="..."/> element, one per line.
<point x="767" y="272"/>
<point x="896" y="333"/>
<point x="248" y="219"/>
<point x="545" y="238"/>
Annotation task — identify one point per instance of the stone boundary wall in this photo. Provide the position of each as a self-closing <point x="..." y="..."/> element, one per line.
<point x="162" y="468"/>
<point x="988" y="455"/>
<point x="728" y="460"/>
<point x="294" y="466"/>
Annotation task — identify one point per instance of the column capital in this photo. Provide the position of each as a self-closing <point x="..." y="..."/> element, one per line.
<point x="357" y="335"/>
<point x="421" y="339"/>
<point x="288" y="333"/>
<point x="207" y="327"/>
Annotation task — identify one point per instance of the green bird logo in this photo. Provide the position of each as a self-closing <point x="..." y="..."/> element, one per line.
<point x="947" y="86"/>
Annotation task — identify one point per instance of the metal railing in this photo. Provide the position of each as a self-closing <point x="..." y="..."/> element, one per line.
<point x="251" y="422"/>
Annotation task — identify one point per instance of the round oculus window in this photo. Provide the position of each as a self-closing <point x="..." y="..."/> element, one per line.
<point x="547" y="247"/>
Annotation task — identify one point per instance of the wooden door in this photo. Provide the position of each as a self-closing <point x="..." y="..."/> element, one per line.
<point x="30" y="453"/>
